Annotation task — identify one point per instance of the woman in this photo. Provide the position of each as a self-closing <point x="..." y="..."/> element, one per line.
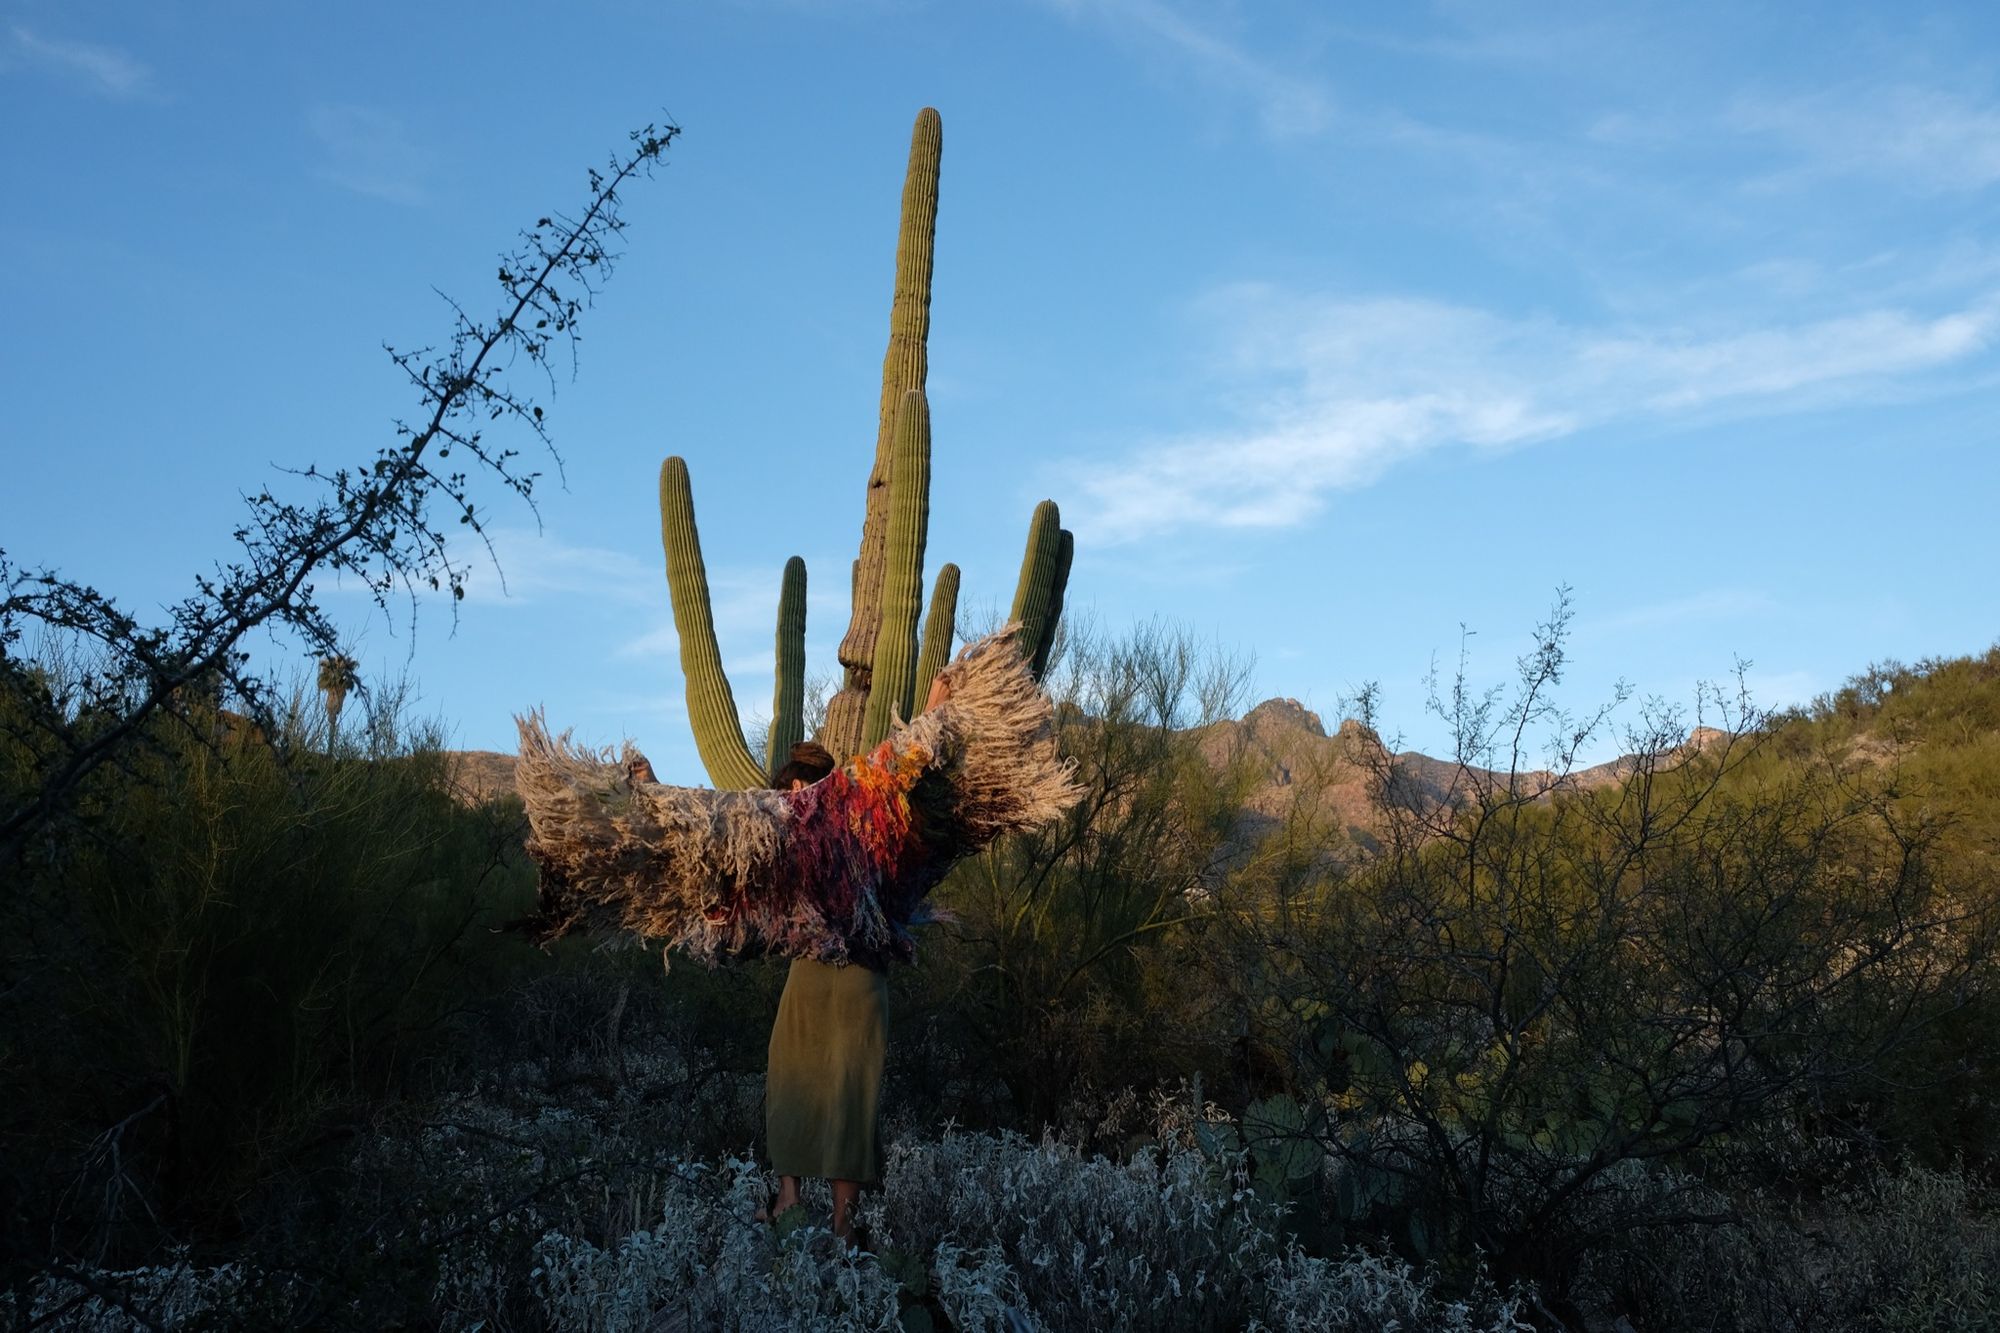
<point x="822" y="1091"/>
<point x="823" y="1087"/>
<point x="825" y="1056"/>
<point x="833" y="868"/>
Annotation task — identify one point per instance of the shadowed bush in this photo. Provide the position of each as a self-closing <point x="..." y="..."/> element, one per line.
<point x="233" y="945"/>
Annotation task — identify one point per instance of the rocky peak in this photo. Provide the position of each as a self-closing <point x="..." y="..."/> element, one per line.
<point x="1285" y="714"/>
<point x="1353" y="729"/>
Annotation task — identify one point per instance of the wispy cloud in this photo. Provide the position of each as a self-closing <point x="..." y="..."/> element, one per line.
<point x="104" y="69"/>
<point x="662" y="704"/>
<point x="369" y="152"/>
<point x="1770" y="690"/>
<point x="743" y="602"/>
<point x="1332" y="393"/>
<point x="542" y="568"/>
<point x="1287" y="104"/>
<point x="1710" y="605"/>
<point x="1933" y="139"/>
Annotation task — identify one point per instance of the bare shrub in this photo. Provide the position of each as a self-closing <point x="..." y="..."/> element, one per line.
<point x="1533" y="987"/>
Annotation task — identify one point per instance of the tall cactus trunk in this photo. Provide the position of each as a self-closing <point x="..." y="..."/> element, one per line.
<point x="788" y="695"/>
<point x="895" y="670"/>
<point x="904" y="367"/>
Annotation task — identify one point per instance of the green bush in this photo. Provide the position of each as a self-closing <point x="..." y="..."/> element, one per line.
<point x="1902" y="1250"/>
<point x="1517" y="996"/>
<point x="232" y="946"/>
<point x="1060" y="976"/>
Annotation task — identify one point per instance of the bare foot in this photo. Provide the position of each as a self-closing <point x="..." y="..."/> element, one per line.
<point x="778" y="1207"/>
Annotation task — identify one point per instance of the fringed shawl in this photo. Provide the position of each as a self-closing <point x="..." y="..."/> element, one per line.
<point x="838" y="871"/>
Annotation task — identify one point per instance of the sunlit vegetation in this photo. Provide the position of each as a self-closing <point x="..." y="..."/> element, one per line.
<point x="1708" y="1046"/>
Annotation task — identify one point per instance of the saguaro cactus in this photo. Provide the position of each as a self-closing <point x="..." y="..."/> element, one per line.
<point x="788" y="696"/>
<point x="902" y="597"/>
<point x="1044" y="574"/>
<point x="940" y="628"/>
<point x="888" y="666"/>
<point x="905" y="366"/>
<point x="1058" y="584"/>
<point x="718" y="734"/>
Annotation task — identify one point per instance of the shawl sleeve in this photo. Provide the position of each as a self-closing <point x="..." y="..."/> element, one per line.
<point x="837" y="871"/>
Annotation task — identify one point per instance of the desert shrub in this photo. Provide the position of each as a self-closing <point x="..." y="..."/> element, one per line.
<point x="1173" y="1239"/>
<point x="1094" y="1242"/>
<point x="174" y="1294"/>
<point x="707" y="1265"/>
<point x="265" y="1064"/>
<point x="477" y="1216"/>
<point x="1063" y="965"/>
<point x="1900" y="1251"/>
<point x="442" y="1207"/>
<point x="1529" y="990"/>
<point x="1926" y="739"/>
<point x="235" y="943"/>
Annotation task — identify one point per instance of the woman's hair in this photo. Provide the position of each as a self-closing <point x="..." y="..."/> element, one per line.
<point x="808" y="762"/>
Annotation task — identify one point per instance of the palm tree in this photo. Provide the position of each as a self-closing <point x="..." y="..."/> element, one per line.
<point x="336" y="678"/>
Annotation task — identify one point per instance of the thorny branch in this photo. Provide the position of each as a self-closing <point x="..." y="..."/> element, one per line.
<point x="384" y="522"/>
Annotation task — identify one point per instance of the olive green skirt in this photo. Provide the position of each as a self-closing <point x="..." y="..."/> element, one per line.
<point x="825" y="1079"/>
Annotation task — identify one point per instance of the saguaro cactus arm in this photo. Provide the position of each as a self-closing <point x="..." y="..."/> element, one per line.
<point x="1038" y="594"/>
<point x="1058" y="585"/>
<point x="904" y="367"/>
<point x="895" y="669"/>
<point x="718" y="734"/>
<point x="788" y="696"/>
<point x="940" y="632"/>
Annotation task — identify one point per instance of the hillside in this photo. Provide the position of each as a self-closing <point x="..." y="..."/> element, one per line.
<point x="1939" y="720"/>
<point x="482" y="775"/>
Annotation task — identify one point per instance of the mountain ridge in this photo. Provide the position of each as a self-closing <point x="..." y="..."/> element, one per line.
<point x="1287" y="739"/>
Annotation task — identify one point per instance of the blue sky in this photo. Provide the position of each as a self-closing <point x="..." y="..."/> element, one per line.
<point x="1334" y="328"/>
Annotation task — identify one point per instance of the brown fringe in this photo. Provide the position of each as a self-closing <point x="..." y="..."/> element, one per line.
<point x="702" y="870"/>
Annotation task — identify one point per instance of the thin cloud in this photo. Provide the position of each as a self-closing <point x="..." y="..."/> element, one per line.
<point x="1334" y="393"/>
<point x="104" y="69"/>
<point x="542" y="568"/>
<point x="368" y="152"/>
<point x="744" y="603"/>
<point x="1932" y="139"/>
<point x="1697" y="608"/>
<point x="670" y="705"/>
<point x="1770" y="690"/>
<point x="1287" y="105"/>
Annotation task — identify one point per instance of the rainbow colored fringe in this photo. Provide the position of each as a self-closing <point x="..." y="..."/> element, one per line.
<point x="839" y="871"/>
